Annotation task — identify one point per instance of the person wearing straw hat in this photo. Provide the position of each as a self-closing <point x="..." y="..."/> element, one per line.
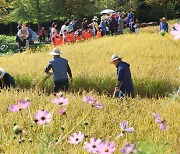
<point x="60" y="68"/>
<point x="124" y="81"/>
<point x="6" y="80"/>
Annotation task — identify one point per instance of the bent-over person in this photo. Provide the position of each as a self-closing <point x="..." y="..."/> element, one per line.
<point x="60" y="68"/>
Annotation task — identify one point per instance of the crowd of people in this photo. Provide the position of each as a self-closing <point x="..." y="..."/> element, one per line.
<point x="73" y="30"/>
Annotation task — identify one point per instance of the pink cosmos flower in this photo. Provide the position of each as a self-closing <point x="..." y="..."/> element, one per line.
<point x="97" y="105"/>
<point x="129" y="148"/>
<point x="88" y="99"/>
<point x="106" y="148"/>
<point x="76" y="138"/>
<point x="43" y="117"/>
<point x="94" y="102"/>
<point x="93" y="145"/>
<point x="60" y="101"/>
<point x="176" y="31"/>
<point x="62" y="111"/>
<point x="123" y="126"/>
<point x="22" y="104"/>
<point x="160" y="121"/>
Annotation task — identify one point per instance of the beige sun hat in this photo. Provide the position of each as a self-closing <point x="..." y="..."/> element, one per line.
<point x="2" y="72"/>
<point x="55" y="52"/>
<point x="95" y="18"/>
<point x="104" y="17"/>
<point x="114" y="57"/>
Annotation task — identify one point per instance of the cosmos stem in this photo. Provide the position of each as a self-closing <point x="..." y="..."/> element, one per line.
<point x="60" y="139"/>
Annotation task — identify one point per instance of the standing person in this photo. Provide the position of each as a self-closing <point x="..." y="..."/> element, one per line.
<point x="53" y="29"/>
<point x="23" y="34"/>
<point x="121" y="22"/>
<point x="94" y="25"/>
<point x="124" y="81"/>
<point x="64" y="28"/>
<point x="70" y="27"/>
<point x="113" y="24"/>
<point x="6" y="80"/>
<point x="85" y="25"/>
<point x="75" y="24"/>
<point x="60" y="69"/>
<point x="104" y="25"/>
<point x="42" y="34"/>
<point x="163" y="25"/>
<point x="130" y="16"/>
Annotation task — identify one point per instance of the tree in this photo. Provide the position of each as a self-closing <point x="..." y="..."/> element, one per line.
<point x="5" y="8"/>
<point x="165" y="4"/>
<point x="35" y="11"/>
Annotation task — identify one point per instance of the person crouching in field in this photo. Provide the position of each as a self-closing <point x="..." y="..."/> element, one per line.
<point x="6" y="80"/>
<point x="60" y="69"/>
<point x="124" y="81"/>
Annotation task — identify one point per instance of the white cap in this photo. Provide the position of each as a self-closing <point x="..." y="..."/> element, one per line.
<point x="2" y="72"/>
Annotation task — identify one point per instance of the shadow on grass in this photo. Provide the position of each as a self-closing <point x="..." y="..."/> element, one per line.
<point x="143" y="87"/>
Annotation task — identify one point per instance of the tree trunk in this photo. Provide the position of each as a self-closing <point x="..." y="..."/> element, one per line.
<point x="39" y="26"/>
<point x="10" y="27"/>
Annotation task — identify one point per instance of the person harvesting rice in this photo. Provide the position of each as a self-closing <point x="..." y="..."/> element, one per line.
<point x="60" y="68"/>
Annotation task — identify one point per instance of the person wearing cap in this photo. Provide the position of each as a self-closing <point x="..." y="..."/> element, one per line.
<point x="60" y="68"/>
<point x="124" y="81"/>
<point x="6" y="80"/>
<point x="163" y="25"/>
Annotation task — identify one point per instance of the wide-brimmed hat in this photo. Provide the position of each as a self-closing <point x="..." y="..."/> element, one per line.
<point x="163" y="18"/>
<point x="2" y="73"/>
<point x="95" y="18"/>
<point x="114" y="57"/>
<point x="104" y="17"/>
<point x="55" y="52"/>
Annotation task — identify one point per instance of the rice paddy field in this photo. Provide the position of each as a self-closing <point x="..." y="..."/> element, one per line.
<point x="154" y="61"/>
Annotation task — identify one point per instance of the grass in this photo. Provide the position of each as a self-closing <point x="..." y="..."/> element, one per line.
<point x="102" y="123"/>
<point x="154" y="64"/>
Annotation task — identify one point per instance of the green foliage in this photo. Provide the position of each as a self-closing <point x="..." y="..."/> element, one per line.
<point x="148" y="147"/>
<point x="4" y="39"/>
<point x="35" y="11"/>
<point x="4" y="11"/>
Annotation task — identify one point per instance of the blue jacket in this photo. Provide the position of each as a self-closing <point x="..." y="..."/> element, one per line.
<point x="60" y="68"/>
<point x="163" y="26"/>
<point x="124" y="76"/>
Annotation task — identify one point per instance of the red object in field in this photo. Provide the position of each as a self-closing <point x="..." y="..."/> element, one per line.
<point x="89" y="35"/>
<point x="85" y="34"/>
<point x="70" y="37"/>
<point x="98" y="34"/>
<point x="79" y="38"/>
<point x="59" y="41"/>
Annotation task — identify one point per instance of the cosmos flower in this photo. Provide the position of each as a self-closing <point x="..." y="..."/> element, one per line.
<point x="22" y="104"/>
<point x="76" y="138"/>
<point x="94" y="102"/>
<point x="176" y="31"/>
<point x="123" y="126"/>
<point x="93" y="145"/>
<point x="42" y="117"/>
<point x="129" y="148"/>
<point x="88" y="99"/>
<point x="106" y="148"/>
<point x="62" y="111"/>
<point x="160" y="121"/>
<point x="60" y="101"/>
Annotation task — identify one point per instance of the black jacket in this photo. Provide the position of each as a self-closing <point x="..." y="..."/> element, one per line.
<point x="7" y="81"/>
